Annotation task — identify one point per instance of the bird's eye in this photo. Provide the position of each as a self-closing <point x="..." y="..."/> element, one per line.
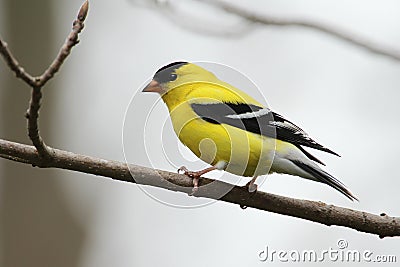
<point x="173" y="77"/>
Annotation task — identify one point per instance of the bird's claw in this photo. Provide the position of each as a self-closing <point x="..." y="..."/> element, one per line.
<point x="251" y="187"/>
<point x="194" y="190"/>
<point x="194" y="175"/>
<point x="183" y="170"/>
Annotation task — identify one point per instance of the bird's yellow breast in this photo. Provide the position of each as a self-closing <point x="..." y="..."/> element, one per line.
<point x="245" y="153"/>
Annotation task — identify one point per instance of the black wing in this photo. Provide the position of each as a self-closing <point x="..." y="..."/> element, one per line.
<point x="258" y="120"/>
<point x="290" y="132"/>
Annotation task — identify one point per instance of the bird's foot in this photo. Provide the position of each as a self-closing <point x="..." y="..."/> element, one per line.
<point x="191" y="174"/>
<point x="251" y="187"/>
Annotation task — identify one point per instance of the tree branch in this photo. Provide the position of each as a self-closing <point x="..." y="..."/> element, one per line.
<point x="14" y="65"/>
<point x="382" y="225"/>
<point x="70" y="42"/>
<point x="250" y="16"/>
<point x="37" y="83"/>
<point x="314" y="25"/>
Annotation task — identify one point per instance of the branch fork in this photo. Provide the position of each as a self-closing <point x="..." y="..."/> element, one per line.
<point x="36" y="83"/>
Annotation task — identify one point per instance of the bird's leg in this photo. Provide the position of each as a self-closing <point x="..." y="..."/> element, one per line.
<point x="251" y="186"/>
<point x="195" y="175"/>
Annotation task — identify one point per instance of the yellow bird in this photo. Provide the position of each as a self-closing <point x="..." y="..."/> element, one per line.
<point x="231" y="131"/>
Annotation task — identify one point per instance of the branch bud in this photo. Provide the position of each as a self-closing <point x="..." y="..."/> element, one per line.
<point x="83" y="11"/>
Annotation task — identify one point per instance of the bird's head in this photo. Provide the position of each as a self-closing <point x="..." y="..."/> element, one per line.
<point x="173" y="76"/>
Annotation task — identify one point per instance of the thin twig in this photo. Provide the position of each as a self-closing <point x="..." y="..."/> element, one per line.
<point x="70" y="42"/>
<point x="65" y="50"/>
<point x="382" y="225"/>
<point x="32" y="116"/>
<point x="337" y="32"/>
<point x="14" y="65"/>
<point x="37" y="83"/>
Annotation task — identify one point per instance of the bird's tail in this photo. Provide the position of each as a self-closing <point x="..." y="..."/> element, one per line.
<point x="324" y="177"/>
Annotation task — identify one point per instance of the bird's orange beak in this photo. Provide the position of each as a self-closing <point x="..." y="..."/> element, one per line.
<point x="154" y="86"/>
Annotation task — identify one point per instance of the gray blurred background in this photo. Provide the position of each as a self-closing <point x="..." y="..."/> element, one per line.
<point x="343" y="96"/>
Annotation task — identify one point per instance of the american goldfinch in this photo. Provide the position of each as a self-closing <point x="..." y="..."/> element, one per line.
<point x="231" y="131"/>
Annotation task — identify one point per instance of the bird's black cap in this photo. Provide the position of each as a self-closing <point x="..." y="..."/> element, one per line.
<point x="173" y="65"/>
<point x="167" y="73"/>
